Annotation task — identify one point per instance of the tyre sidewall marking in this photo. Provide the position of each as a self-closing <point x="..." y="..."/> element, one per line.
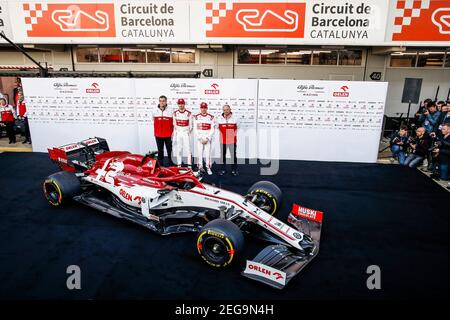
<point x="216" y="234"/>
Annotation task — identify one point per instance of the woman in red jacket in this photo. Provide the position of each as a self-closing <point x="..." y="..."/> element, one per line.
<point x="8" y="116"/>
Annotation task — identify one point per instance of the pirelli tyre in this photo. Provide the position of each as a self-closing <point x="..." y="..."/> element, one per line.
<point x="61" y="187"/>
<point x="219" y="241"/>
<point x="266" y="195"/>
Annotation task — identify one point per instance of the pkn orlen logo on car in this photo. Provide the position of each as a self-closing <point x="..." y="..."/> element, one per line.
<point x="255" y="19"/>
<point x="342" y="93"/>
<point x="213" y="90"/>
<point x="94" y="88"/>
<point x="69" y="19"/>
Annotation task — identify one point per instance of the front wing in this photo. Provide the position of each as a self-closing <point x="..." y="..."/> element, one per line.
<point x="277" y="264"/>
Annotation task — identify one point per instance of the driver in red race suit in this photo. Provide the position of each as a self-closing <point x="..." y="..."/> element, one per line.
<point x="163" y="128"/>
<point x="204" y="130"/>
<point x="182" y="124"/>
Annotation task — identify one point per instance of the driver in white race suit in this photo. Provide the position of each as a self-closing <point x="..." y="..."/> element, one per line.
<point x="204" y="130"/>
<point x="182" y="127"/>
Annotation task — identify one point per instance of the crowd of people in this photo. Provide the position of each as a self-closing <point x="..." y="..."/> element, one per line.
<point x="13" y="118"/>
<point x="177" y="127"/>
<point x="429" y="143"/>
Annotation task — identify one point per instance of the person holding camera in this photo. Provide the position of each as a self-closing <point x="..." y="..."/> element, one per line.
<point x="419" y="146"/>
<point x="442" y="153"/>
<point x="420" y="112"/>
<point x="430" y="117"/>
<point x="444" y="118"/>
<point x="399" y="142"/>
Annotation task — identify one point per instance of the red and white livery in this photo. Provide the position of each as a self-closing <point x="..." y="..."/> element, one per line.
<point x="173" y="200"/>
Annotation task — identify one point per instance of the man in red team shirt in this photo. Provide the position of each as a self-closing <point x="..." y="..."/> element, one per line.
<point x="163" y="128"/>
<point x="228" y="125"/>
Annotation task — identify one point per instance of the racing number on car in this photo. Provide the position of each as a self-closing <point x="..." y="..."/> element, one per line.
<point x="107" y="176"/>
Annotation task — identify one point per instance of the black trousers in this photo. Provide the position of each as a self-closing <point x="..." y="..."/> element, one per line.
<point x="10" y="132"/>
<point x="27" y="129"/>
<point x="232" y="148"/>
<point x="160" y="142"/>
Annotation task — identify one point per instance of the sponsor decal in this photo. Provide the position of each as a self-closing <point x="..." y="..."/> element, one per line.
<point x="90" y="142"/>
<point x="94" y="88"/>
<point x="125" y="195"/>
<point x="183" y="88"/>
<point x="343" y="92"/>
<point x="138" y="199"/>
<point x="203" y="126"/>
<point x="255" y="20"/>
<point x="214" y="89"/>
<point x="216" y="234"/>
<point x="69" y="19"/>
<point x="71" y="147"/>
<point x="264" y="271"/>
<point x="421" y="20"/>
<point x="310" y="90"/>
<point x="297" y="235"/>
<point x="307" y="213"/>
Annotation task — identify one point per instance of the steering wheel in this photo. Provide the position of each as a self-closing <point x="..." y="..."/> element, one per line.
<point x="151" y="154"/>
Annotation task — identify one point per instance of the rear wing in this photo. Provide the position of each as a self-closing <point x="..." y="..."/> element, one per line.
<point x="277" y="264"/>
<point x="78" y="156"/>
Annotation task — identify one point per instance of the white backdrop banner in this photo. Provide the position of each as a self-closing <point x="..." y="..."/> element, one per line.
<point x="280" y="119"/>
<point x="320" y="120"/>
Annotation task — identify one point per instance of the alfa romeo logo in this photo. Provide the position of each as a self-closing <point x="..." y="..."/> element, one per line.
<point x="297" y="235"/>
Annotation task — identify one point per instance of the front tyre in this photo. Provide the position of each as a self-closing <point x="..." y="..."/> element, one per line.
<point x="219" y="241"/>
<point x="61" y="187"/>
<point x="265" y="195"/>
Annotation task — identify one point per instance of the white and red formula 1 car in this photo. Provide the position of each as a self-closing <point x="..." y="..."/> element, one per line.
<point x="173" y="200"/>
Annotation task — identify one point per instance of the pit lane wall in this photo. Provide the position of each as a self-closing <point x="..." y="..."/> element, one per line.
<point x="285" y="22"/>
<point x="279" y="119"/>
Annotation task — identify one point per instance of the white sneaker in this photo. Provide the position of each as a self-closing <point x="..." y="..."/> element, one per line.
<point x="208" y="170"/>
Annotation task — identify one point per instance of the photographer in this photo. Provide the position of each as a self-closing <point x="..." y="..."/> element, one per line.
<point x="420" y="112"/>
<point x="420" y="145"/>
<point x="398" y="143"/>
<point x="442" y="153"/>
<point x="430" y="118"/>
<point x="443" y="118"/>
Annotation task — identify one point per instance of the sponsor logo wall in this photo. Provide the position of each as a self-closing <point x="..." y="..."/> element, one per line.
<point x="322" y="120"/>
<point x="361" y="22"/>
<point x="279" y="119"/>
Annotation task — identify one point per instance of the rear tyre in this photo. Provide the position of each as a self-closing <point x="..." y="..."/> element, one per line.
<point x="266" y="195"/>
<point x="219" y="241"/>
<point x="61" y="187"/>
